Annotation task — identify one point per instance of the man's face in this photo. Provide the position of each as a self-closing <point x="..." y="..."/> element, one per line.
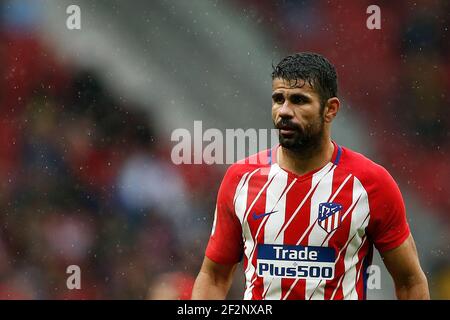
<point x="297" y="114"/>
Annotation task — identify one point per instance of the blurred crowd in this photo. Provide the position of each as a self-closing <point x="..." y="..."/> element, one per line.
<point x="85" y="181"/>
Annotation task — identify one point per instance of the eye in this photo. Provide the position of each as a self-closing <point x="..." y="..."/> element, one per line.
<point x="278" y="98"/>
<point x="297" y="99"/>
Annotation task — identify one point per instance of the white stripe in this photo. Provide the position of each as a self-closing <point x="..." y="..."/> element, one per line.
<point x="361" y="266"/>
<point x="359" y="223"/>
<point x="214" y="223"/>
<point x="272" y="286"/>
<point x="239" y="186"/>
<point x="336" y="219"/>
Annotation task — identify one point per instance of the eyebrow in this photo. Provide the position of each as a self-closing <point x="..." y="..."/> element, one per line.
<point x="301" y="95"/>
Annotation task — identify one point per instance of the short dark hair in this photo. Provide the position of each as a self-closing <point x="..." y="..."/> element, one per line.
<point x="311" y="67"/>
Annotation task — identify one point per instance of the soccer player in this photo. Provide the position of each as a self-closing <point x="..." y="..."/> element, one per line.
<point x="306" y="214"/>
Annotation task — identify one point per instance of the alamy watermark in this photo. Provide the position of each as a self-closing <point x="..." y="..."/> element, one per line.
<point x="214" y="146"/>
<point x="374" y="20"/>
<point x="373" y="277"/>
<point x="73" y="21"/>
<point x="74" y="280"/>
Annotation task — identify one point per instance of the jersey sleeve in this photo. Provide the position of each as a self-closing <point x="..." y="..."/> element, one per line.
<point x="225" y="244"/>
<point x="388" y="226"/>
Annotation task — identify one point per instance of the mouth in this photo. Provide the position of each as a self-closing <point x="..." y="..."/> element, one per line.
<point x="287" y="129"/>
<point x="286" y="132"/>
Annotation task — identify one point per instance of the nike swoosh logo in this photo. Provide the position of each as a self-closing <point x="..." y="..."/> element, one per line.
<point x="257" y="216"/>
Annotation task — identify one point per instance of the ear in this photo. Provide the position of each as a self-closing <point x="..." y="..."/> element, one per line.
<point x="331" y="109"/>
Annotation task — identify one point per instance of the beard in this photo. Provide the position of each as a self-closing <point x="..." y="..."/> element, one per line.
<point x="302" y="141"/>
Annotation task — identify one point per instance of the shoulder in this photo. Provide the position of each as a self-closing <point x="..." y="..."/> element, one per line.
<point x="372" y="175"/>
<point x="382" y="190"/>
<point x="249" y="165"/>
<point x="241" y="172"/>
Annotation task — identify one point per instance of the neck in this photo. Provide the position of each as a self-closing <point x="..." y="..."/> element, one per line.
<point x="300" y="163"/>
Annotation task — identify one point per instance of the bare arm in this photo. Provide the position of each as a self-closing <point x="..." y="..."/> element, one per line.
<point x="404" y="267"/>
<point x="213" y="281"/>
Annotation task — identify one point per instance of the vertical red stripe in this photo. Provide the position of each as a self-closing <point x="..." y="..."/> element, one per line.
<point x="297" y="227"/>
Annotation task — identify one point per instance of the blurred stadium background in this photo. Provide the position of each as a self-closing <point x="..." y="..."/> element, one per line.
<point x="86" y="117"/>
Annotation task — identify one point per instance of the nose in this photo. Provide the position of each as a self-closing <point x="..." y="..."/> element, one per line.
<point x="286" y="110"/>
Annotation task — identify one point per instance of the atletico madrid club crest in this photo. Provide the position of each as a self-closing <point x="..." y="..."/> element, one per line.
<point x="330" y="215"/>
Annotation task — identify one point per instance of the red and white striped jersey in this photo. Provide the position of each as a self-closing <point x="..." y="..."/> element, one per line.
<point x="308" y="236"/>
